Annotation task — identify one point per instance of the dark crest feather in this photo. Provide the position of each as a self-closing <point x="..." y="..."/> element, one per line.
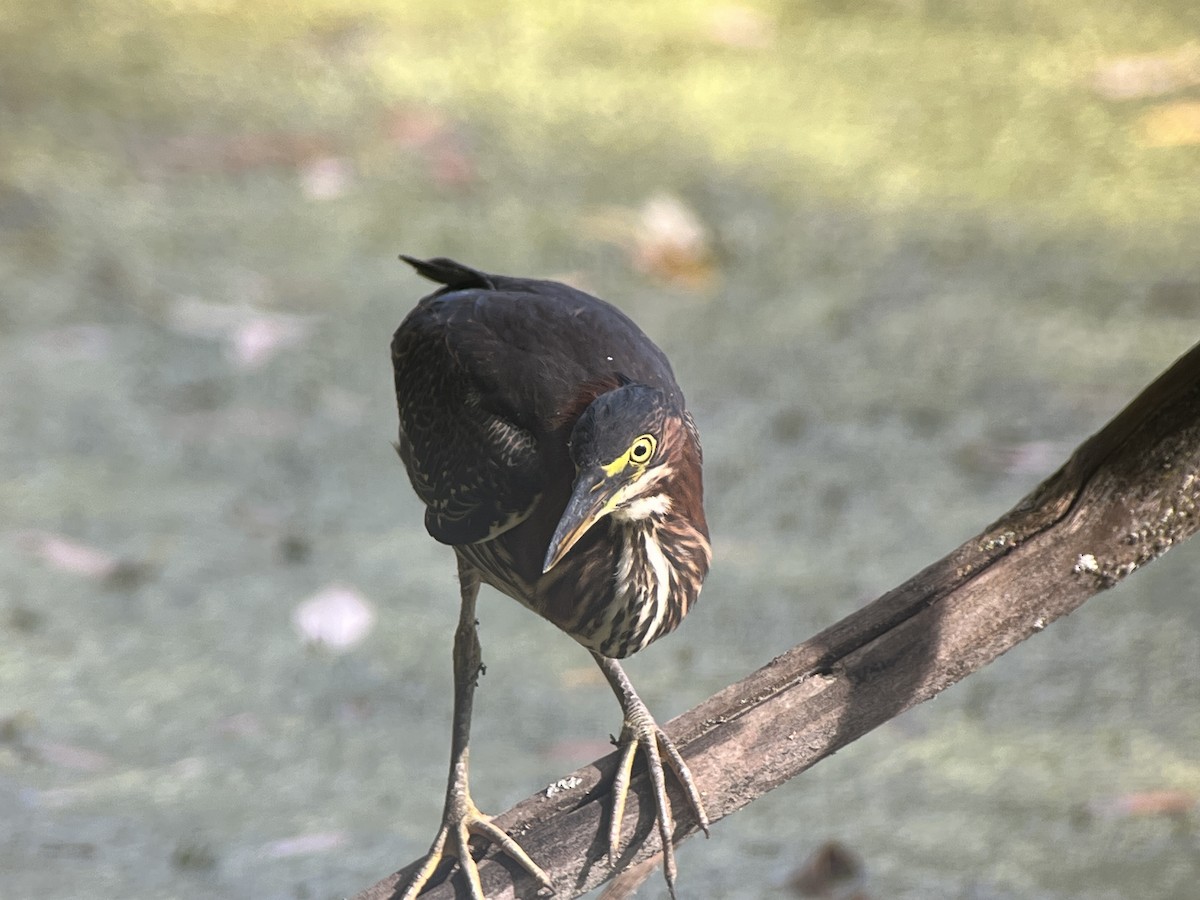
<point x="453" y="275"/>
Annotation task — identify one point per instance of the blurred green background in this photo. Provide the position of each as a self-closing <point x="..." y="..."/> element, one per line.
<point x="904" y="254"/>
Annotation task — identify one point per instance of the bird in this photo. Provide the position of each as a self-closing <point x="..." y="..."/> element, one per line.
<point x="553" y="450"/>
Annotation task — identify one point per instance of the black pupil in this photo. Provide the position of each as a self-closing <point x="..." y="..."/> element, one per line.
<point x="640" y="451"/>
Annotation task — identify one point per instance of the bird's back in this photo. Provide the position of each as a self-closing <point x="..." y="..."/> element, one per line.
<point x="491" y="374"/>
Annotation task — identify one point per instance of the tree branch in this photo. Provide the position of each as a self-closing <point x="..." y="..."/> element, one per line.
<point x="1125" y="497"/>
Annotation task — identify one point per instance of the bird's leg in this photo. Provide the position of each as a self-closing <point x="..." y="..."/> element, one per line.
<point x="461" y="818"/>
<point x="640" y="730"/>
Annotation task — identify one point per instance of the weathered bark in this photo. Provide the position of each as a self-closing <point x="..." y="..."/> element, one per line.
<point x="1125" y="497"/>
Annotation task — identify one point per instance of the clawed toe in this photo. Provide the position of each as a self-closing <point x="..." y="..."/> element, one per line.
<point x="453" y="840"/>
<point x="641" y="731"/>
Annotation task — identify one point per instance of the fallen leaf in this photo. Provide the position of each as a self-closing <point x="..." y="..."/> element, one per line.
<point x="305" y="844"/>
<point x="326" y="178"/>
<point x="740" y="27"/>
<point x="828" y="868"/>
<point x="251" y="336"/>
<point x="70" y="556"/>
<point x="1011" y="458"/>
<point x="253" y="342"/>
<point x="665" y="239"/>
<point x="1148" y="75"/>
<point x="1171" y="125"/>
<point x="1138" y="804"/>
<point x="338" y="618"/>
<point x="672" y="244"/>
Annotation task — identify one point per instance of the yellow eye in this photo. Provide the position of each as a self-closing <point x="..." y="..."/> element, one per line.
<point x="642" y="449"/>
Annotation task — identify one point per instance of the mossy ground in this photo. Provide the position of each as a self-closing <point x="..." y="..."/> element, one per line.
<point x="936" y="254"/>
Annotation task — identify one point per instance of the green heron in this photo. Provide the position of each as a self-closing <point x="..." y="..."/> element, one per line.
<point x="551" y="446"/>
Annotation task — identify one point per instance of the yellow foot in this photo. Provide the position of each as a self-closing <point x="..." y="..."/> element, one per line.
<point x="453" y="840"/>
<point x="642" y="731"/>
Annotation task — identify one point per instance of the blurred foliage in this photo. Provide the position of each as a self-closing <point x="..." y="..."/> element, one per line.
<point x="891" y="103"/>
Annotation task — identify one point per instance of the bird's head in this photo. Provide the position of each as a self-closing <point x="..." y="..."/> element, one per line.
<point x="627" y="446"/>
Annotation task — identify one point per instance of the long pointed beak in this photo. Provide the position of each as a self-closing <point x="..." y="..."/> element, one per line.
<point x="591" y="500"/>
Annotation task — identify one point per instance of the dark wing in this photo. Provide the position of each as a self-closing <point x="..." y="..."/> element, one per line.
<point x="476" y="470"/>
<point x="490" y="373"/>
